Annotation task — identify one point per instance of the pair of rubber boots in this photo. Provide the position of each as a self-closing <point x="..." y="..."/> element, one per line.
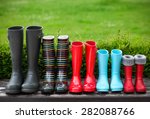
<point x="33" y="39"/>
<point x="89" y="85"/>
<point x="60" y="85"/>
<point x="115" y="81"/>
<point x="128" y="62"/>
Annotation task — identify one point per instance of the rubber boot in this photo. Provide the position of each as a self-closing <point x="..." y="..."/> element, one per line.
<point x="140" y="60"/>
<point x="62" y="64"/>
<point x="102" y="82"/>
<point x="116" y="83"/>
<point x="90" y="81"/>
<point x="49" y="61"/>
<point x="33" y="40"/>
<point x="128" y="62"/>
<point x="75" y="83"/>
<point x="15" y="37"/>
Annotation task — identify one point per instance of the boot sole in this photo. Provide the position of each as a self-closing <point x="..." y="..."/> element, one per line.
<point x="61" y="91"/>
<point x="128" y="91"/>
<point x="89" y="91"/>
<point x="117" y="90"/>
<point x="75" y="91"/>
<point x="140" y="91"/>
<point x="13" y="92"/>
<point x="103" y="91"/>
<point x="47" y="91"/>
<point x="29" y="90"/>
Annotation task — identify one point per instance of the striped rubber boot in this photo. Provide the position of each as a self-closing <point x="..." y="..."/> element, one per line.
<point x="62" y="62"/>
<point x="49" y="61"/>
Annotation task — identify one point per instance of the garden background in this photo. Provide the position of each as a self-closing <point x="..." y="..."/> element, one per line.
<point x="122" y="24"/>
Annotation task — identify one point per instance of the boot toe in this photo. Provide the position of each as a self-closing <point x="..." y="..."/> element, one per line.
<point x="102" y="87"/>
<point x="116" y="88"/>
<point x="89" y="88"/>
<point x="30" y="88"/>
<point x="128" y="89"/>
<point x="75" y="88"/>
<point x="61" y="88"/>
<point x="116" y="85"/>
<point x="141" y="90"/>
<point x="47" y="88"/>
<point x="13" y="89"/>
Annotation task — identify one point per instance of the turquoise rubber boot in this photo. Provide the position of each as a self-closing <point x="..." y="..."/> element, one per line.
<point x="102" y="82"/>
<point x="116" y="83"/>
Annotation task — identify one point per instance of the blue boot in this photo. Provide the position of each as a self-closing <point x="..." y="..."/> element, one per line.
<point x="102" y="83"/>
<point x="116" y="83"/>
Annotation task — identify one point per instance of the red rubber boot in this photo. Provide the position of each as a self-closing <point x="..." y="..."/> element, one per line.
<point x="140" y="60"/>
<point x="128" y="62"/>
<point x="90" y="81"/>
<point x="76" y="84"/>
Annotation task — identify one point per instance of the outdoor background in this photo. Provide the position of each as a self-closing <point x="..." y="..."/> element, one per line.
<point x="122" y="24"/>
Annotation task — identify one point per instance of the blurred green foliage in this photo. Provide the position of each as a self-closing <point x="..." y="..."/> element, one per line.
<point x="122" y="42"/>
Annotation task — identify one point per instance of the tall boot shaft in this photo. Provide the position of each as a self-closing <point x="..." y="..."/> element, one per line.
<point x="62" y="60"/>
<point x="103" y="56"/>
<point x="49" y="57"/>
<point x="62" y="57"/>
<point x="76" y="49"/>
<point x="116" y="56"/>
<point x="15" y="37"/>
<point x="90" y="47"/>
<point x="33" y="40"/>
<point x="139" y="71"/>
<point x="128" y="72"/>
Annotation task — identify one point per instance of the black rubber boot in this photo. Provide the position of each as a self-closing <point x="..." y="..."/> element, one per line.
<point x="62" y="62"/>
<point x="49" y="61"/>
<point x="33" y="41"/>
<point x="15" y="37"/>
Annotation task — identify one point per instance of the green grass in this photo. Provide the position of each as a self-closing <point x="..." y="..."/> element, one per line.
<point x="81" y="19"/>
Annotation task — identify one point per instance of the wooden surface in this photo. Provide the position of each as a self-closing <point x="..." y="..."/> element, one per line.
<point x="96" y="97"/>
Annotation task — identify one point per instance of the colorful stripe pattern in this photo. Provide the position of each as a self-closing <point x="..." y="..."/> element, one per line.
<point x="49" y="61"/>
<point x="62" y="62"/>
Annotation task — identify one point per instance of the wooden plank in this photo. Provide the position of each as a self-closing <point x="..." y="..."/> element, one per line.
<point x="96" y="97"/>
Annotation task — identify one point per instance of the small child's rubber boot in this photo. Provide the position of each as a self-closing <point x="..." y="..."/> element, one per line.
<point x="128" y="62"/>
